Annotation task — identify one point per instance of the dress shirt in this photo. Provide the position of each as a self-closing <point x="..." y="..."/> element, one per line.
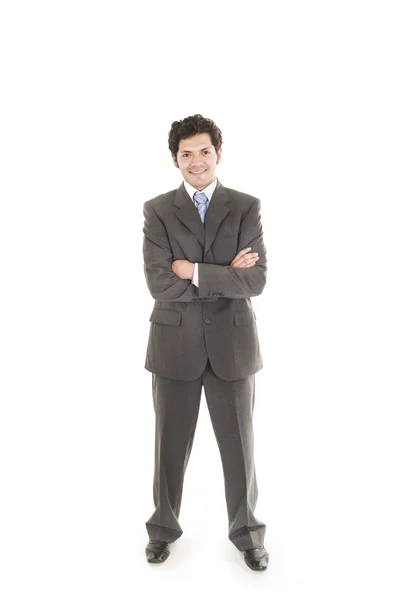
<point x="208" y="191"/>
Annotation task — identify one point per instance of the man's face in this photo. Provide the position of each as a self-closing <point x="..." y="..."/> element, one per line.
<point x="197" y="160"/>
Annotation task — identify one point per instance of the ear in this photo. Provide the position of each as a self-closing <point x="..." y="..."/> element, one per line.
<point x="219" y="155"/>
<point x="175" y="160"/>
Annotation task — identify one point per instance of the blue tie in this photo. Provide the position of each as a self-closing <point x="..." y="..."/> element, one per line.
<point x="201" y="202"/>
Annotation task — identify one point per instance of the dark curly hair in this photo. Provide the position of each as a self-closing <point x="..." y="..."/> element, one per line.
<point x="189" y="127"/>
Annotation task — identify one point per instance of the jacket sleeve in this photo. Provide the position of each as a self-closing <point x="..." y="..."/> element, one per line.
<point x="163" y="284"/>
<point x="230" y="282"/>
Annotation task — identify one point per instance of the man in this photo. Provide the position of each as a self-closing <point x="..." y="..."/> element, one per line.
<point x="204" y="258"/>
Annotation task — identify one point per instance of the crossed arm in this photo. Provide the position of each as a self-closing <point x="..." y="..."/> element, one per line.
<point x="185" y="269"/>
<point x="170" y="280"/>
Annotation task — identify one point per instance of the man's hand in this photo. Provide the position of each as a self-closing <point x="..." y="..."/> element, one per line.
<point x="183" y="269"/>
<point x="244" y="259"/>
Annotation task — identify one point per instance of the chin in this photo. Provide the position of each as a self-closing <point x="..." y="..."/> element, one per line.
<point x="202" y="184"/>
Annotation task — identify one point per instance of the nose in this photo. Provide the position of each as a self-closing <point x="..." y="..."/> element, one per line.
<point x="196" y="165"/>
<point x="196" y="161"/>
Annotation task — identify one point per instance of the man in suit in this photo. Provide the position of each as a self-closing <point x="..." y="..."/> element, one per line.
<point x="204" y="258"/>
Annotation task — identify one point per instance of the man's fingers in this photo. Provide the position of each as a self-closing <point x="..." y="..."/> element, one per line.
<point x="239" y="262"/>
<point x="242" y="252"/>
<point x="244" y="262"/>
<point x="240" y="255"/>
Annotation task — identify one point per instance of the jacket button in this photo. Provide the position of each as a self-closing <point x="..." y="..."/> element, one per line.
<point x="207" y="320"/>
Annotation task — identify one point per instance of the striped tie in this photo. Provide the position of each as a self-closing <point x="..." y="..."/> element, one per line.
<point x="201" y="202"/>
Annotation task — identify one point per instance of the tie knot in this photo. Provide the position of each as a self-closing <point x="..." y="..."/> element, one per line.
<point x="200" y="198"/>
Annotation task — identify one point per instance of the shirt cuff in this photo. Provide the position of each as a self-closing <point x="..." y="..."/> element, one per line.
<point x="195" y="275"/>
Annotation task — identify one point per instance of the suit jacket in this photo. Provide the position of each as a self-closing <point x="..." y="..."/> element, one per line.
<point x="215" y="321"/>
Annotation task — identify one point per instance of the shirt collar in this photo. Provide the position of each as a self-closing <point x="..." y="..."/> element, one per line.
<point x="209" y="190"/>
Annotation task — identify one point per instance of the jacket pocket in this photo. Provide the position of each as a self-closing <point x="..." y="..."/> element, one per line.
<point x="244" y="318"/>
<point x="166" y="317"/>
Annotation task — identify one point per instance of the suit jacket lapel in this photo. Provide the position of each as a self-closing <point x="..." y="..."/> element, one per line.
<point x="216" y="212"/>
<point x="186" y="211"/>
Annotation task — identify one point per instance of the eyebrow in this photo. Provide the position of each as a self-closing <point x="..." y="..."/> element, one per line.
<point x="206" y="148"/>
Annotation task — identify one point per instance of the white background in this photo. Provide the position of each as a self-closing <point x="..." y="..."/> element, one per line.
<point x="305" y="96"/>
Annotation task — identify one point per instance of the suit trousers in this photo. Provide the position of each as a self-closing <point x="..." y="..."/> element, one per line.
<point x="230" y="405"/>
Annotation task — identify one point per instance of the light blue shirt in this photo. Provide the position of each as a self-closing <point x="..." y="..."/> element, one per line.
<point x="209" y="190"/>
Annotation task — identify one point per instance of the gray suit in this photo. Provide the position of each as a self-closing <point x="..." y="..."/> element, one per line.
<point x="207" y="337"/>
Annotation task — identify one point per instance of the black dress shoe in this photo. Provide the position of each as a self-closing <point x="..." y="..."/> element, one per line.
<point x="157" y="552"/>
<point x="257" y="558"/>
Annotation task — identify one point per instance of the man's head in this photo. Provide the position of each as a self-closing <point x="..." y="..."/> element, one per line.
<point x="196" y="149"/>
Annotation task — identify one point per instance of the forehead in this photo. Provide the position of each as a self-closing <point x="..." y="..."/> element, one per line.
<point x="196" y="142"/>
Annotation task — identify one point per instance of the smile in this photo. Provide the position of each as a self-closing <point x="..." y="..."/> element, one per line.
<point x="198" y="172"/>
